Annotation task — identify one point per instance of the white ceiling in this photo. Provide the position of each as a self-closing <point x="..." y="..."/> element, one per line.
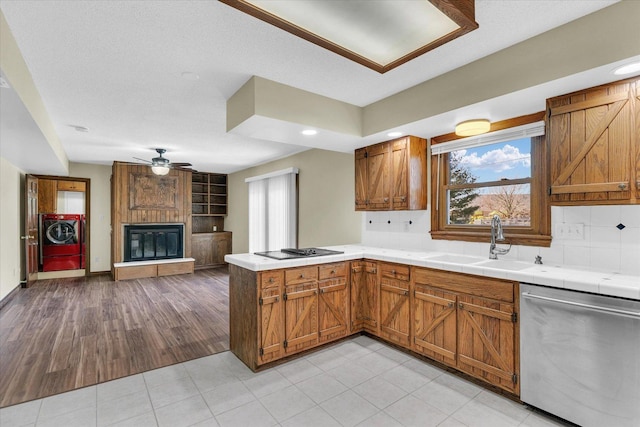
<point x="117" y="68"/>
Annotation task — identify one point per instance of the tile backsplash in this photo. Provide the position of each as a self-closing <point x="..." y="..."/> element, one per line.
<point x="592" y="237"/>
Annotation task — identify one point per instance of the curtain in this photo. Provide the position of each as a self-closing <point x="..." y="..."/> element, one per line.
<point x="273" y="207"/>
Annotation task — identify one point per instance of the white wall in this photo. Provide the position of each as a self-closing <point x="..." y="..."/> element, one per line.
<point x="600" y="245"/>
<point x="11" y="225"/>
<point x="100" y="223"/>
<point x="326" y="194"/>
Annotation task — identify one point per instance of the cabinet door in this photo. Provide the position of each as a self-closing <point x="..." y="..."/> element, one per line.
<point x="300" y="316"/>
<point x="378" y="169"/>
<point x="435" y="323"/>
<point x="487" y="341"/>
<point x="364" y="296"/>
<point x="333" y="304"/>
<point x="399" y="175"/>
<point x="591" y="134"/>
<point x="47" y="196"/>
<point x="394" y="311"/>
<point x="270" y="336"/>
<point x="361" y="179"/>
<point x="201" y="245"/>
<point x="221" y="247"/>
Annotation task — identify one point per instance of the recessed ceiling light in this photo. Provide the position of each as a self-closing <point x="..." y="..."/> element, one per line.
<point x="188" y="75"/>
<point x="627" y="69"/>
<point x="394" y="134"/>
<point x="473" y="127"/>
<point x="79" y="128"/>
<point x="309" y="132"/>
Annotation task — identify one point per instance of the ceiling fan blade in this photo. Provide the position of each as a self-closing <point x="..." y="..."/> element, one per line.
<point x="178" y="164"/>
<point x="143" y="160"/>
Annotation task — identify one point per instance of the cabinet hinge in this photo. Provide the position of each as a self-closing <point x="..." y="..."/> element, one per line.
<point x="514" y="317"/>
<point x="366" y="154"/>
<point x="284" y="297"/>
<point x="285" y="343"/>
<point x="261" y="351"/>
<point x="549" y="191"/>
<point x="260" y="301"/>
<point x="514" y="378"/>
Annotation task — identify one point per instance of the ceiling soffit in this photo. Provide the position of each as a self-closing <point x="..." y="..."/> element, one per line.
<point x="381" y="37"/>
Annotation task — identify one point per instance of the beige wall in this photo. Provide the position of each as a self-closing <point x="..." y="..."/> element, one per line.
<point x="11" y="183"/>
<point x="100" y="223"/>
<point x="325" y="205"/>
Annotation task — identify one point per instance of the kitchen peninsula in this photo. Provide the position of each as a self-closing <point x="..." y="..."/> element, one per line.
<point x="443" y="306"/>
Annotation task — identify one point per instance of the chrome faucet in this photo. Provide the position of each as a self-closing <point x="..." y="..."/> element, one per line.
<point x="497" y="236"/>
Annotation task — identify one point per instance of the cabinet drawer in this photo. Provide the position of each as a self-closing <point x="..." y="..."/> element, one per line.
<point x="300" y="275"/>
<point x="329" y="271"/>
<point x="395" y="271"/>
<point x="270" y="279"/>
<point x="72" y="186"/>
<point x="484" y="287"/>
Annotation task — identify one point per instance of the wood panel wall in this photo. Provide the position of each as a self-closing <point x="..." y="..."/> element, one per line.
<point x="140" y="197"/>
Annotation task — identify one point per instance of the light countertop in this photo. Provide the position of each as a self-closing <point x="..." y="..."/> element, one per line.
<point x="557" y="276"/>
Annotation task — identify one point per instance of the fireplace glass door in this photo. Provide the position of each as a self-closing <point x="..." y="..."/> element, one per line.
<point x="153" y="242"/>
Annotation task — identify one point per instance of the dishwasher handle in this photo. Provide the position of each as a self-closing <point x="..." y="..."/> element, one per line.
<point x="614" y="311"/>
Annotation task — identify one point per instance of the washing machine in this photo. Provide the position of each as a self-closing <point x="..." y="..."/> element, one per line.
<point x="60" y="243"/>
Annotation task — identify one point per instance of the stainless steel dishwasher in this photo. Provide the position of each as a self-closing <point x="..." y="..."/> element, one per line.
<point x="580" y="356"/>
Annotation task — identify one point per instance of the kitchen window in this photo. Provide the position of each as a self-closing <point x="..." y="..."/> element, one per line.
<point x="499" y="173"/>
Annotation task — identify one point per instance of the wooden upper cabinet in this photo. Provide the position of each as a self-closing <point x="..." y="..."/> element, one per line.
<point x="392" y="175"/>
<point x="72" y="186"/>
<point x="594" y="141"/>
<point x="47" y="196"/>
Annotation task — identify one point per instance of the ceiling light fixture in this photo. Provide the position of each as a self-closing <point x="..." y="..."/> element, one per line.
<point x="627" y="69"/>
<point x="160" y="169"/>
<point x="309" y="132"/>
<point x="473" y="127"/>
<point x="394" y="134"/>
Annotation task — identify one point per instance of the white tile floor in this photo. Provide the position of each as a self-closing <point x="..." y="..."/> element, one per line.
<point x="357" y="382"/>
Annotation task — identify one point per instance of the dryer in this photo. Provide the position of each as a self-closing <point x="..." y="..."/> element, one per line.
<point x="60" y="243"/>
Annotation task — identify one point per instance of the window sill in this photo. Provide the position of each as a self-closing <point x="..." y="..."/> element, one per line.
<point x="475" y="236"/>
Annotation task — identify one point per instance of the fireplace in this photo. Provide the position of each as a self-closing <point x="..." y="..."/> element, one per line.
<point x="144" y="242"/>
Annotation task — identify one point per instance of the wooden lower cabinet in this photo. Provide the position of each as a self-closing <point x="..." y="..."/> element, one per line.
<point x="209" y="249"/>
<point x="469" y="323"/>
<point x="364" y="296"/>
<point x="394" y="303"/>
<point x="464" y="321"/>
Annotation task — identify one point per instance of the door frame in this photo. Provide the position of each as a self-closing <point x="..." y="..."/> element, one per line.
<point x="87" y="213"/>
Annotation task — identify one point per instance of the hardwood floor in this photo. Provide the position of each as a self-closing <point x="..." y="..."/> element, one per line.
<point x="63" y="334"/>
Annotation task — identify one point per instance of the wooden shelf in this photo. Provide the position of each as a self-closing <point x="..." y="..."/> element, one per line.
<point x="208" y="201"/>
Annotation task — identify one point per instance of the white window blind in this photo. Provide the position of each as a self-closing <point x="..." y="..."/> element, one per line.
<point x="273" y="215"/>
<point x="510" y="134"/>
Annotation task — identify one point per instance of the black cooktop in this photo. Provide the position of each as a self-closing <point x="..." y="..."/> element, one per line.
<point x="293" y="253"/>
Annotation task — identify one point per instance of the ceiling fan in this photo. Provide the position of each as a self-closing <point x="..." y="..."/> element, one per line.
<point x="161" y="165"/>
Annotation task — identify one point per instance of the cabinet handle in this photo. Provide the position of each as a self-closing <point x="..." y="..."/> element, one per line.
<point x="405" y="293"/>
<point x="622" y="186"/>
<point x="386" y="199"/>
<point x="322" y="291"/>
<point x="333" y="272"/>
<point x="393" y="272"/>
<point x="302" y="276"/>
<point x="461" y="306"/>
<point x="270" y="279"/>
<point x="450" y="305"/>
<point x="404" y="199"/>
<point x="277" y="298"/>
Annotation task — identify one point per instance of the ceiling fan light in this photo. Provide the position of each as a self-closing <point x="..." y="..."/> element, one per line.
<point x="473" y="127"/>
<point x="160" y="170"/>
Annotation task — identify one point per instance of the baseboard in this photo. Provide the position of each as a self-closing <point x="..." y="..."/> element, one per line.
<point x="4" y="301"/>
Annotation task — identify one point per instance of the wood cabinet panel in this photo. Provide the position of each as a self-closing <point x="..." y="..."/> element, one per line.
<point x="209" y="249"/>
<point x="485" y="287"/>
<point x="364" y="296"/>
<point x="394" y="311"/>
<point x="333" y="309"/>
<point x="486" y="341"/>
<point x="294" y="276"/>
<point x="435" y="324"/>
<point x="300" y="316"/>
<point x="71" y="186"/>
<point x="392" y="175"/>
<point x="332" y="271"/>
<point x="47" y="196"/>
<point x="592" y="135"/>
<point x="270" y="331"/>
<point x="175" y="268"/>
<point x="270" y="279"/>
